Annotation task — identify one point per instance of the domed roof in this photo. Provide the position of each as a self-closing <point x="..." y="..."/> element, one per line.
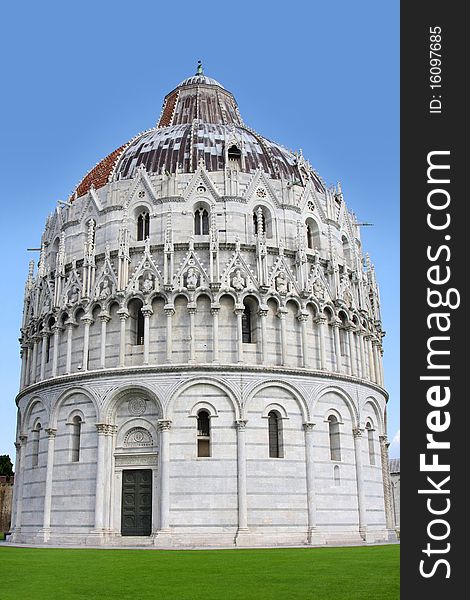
<point x="199" y="121"/>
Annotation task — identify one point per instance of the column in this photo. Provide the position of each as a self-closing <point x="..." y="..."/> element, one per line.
<point x="23" y="366"/>
<point x="55" y="349"/>
<point x="28" y="364"/>
<point x="310" y="467"/>
<point x="281" y="313"/>
<point x="352" y="351"/>
<point x="357" y="433"/>
<point x="303" y="317"/>
<point x="45" y="335"/>
<point x="361" y="334"/>
<point x="147" y="312"/>
<point x="87" y="321"/>
<point x="46" y="523"/>
<point x="263" y="313"/>
<point x="192" y="333"/>
<point x="100" y="476"/>
<point x="375" y="350"/>
<point x="371" y="358"/>
<point x="109" y="476"/>
<point x="164" y="428"/>
<point x="35" y="358"/>
<point x="123" y="316"/>
<point x="321" y="322"/>
<point x="169" y="311"/>
<point x="339" y="366"/>
<point x="68" y="361"/>
<point x="19" y="476"/>
<point x="104" y="318"/>
<point x="215" y="334"/>
<point x="239" y="312"/>
<point x="241" y="475"/>
<point x="386" y="481"/>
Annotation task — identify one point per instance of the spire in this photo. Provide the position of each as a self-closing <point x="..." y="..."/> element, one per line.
<point x="199" y="70"/>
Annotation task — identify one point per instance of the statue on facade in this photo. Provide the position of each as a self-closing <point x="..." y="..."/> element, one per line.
<point x="191" y="278"/>
<point x="281" y="283"/>
<point x="238" y="282"/>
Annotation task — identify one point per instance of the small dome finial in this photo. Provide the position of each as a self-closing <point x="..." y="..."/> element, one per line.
<point x="199" y="70"/>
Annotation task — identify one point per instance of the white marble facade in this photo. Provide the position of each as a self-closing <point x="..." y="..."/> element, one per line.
<point x="232" y="286"/>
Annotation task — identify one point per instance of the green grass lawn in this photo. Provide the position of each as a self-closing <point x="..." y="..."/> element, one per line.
<point x="355" y="573"/>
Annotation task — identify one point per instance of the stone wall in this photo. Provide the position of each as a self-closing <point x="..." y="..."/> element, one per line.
<point x="6" y="497"/>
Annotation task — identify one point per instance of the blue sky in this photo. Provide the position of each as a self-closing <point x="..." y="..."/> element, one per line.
<point x="80" y="79"/>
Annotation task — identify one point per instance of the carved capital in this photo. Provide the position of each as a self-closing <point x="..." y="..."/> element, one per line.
<point x="302" y="317"/>
<point x="320" y="320"/>
<point x="105" y="428"/>
<point x="104" y="317"/>
<point x="123" y="314"/>
<point x="164" y="424"/>
<point x="87" y="320"/>
<point x="308" y="426"/>
<point x="50" y="432"/>
<point x="383" y="439"/>
<point x="169" y="310"/>
<point x="147" y="311"/>
<point x="357" y="432"/>
<point x="23" y="439"/>
<point x="240" y="424"/>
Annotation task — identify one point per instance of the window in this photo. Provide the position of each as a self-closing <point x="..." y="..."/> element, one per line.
<point x="336" y="475"/>
<point x="203" y="434"/>
<point x="246" y="325"/>
<point x="335" y="445"/>
<point x="275" y="435"/>
<point x="140" y="329"/>
<point x="201" y="221"/>
<point x="35" y="445"/>
<point x="370" y="441"/>
<point x="259" y="221"/>
<point x="234" y="157"/>
<point x="143" y="226"/>
<point x="48" y="346"/>
<point x="346" y="251"/>
<point x="76" y="433"/>
<point x="313" y="234"/>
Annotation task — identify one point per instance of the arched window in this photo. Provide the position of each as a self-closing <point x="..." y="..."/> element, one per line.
<point x="246" y="325"/>
<point x="48" y="346"/>
<point x="35" y="445"/>
<point x="76" y="433"/>
<point x="203" y="434"/>
<point x="275" y="435"/>
<point x="201" y="221"/>
<point x="337" y="475"/>
<point x="335" y="442"/>
<point x="346" y="250"/>
<point x="143" y="226"/>
<point x="234" y="157"/>
<point x="370" y="441"/>
<point x="313" y="234"/>
<point x="136" y="322"/>
<point x="262" y="221"/>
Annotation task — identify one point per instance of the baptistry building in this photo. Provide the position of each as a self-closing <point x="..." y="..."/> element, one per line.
<point x="202" y="349"/>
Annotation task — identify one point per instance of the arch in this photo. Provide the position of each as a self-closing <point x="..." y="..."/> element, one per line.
<point x="120" y="395"/>
<point x="346" y="250"/>
<point x="65" y="396"/>
<point x="76" y="412"/>
<point x="203" y="405"/>
<point x="277" y="408"/>
<point x="353" y="411"/>
<point x="284" y="385"/>
<point x="332" y="412"/>
<point x="263" y="216"/>
<point x="377" y="410"/>
<point x="31" y="404"/>
<point x="201" y="215"/>
<point x="370" y="441"/>
<point x="135" y="423"/>
<point x="334" y="434"/>
<point x="312" y="231"/>
<point x="208" y="381"/>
